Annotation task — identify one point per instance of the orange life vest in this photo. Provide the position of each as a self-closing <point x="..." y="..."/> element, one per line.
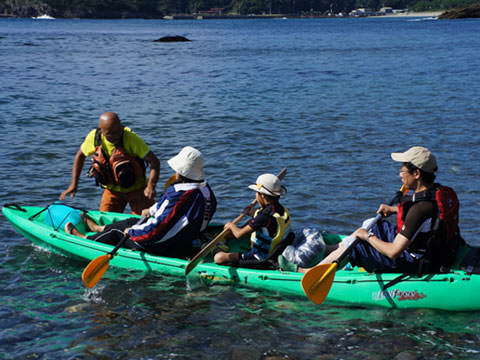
<point x="118" y="169"/>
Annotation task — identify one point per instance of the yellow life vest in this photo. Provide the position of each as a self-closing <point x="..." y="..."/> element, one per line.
<point x="262" y="243"/>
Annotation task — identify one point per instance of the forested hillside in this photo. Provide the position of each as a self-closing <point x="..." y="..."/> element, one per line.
<point x="160" y="8"/>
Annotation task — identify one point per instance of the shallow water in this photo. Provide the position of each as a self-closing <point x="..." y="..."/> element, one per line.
<point x="328" y="99"/>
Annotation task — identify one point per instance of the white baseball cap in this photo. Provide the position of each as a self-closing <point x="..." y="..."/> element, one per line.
<point x="269" y="184"/>
<point x="419" y="156"/>
<point x="188" y="163"/>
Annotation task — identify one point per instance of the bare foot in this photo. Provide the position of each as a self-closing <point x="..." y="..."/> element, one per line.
<point x="90" y="224"/>
<point x="72" y="230"/>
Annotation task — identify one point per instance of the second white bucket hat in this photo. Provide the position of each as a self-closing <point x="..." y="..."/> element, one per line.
<point x="188" y="163"/>
<point x="268" y="184"/>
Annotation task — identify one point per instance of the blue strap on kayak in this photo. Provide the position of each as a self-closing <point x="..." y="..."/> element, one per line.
<point x="59" y="214"/>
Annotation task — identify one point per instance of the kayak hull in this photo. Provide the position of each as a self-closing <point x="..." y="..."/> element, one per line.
<point x="454" y="291"/>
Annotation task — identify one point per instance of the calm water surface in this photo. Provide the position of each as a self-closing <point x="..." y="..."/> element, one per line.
<point x="328" y="99"/>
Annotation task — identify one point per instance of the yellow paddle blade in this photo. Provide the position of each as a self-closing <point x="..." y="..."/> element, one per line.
<point x="317" y="281"/>
<point x="95" y="270"/>
<point x="170" y="181"/>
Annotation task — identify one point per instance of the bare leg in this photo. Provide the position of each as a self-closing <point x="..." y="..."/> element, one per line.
<point x="302" y="270"/>
<point x="329" y="249"/>
<point x="91" y="225"/>
<point x="334" y="255"/>
<point x="224" y="257"/>
<point x="71" y="229"/>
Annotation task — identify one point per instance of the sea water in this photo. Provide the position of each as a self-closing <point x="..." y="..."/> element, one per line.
<point x="329" y="99"/>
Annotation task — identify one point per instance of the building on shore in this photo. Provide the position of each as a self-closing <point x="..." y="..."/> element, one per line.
<point x="360" y="12"/>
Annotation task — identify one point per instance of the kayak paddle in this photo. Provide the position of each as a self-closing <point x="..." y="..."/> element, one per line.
<point x="97" y="267"/>
<point x="206" y="249"/>
<point x="317" y="281"/>
<point x="170" y="181"/>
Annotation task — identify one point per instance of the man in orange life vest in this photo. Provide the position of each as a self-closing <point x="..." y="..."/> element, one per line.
<point x="426" y="237"/>
<point x="118" y="165"/>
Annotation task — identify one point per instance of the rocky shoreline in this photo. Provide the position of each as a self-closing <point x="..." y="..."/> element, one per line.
<point x="470" y="12"/>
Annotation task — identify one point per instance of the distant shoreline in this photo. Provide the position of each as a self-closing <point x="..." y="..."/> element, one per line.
<point x="179" y="17"/>
<point x="411" y="14"/>
<point x="289" y="16"/>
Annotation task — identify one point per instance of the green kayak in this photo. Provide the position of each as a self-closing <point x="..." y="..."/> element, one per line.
<point x="455" y="291"/>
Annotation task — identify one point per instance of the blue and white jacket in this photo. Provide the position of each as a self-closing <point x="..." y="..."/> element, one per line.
<point x="183" y="211"/>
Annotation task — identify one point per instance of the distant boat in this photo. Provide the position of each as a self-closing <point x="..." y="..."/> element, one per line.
<point x="44" y="17"/>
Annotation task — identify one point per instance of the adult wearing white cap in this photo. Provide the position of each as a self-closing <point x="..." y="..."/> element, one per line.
<point x="176" y="220"/>
<point x="420" y="242"/>
<point x="268" y="226"/>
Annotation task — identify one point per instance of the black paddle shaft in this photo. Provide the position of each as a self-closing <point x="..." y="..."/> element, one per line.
<point x="125" y="238"/>
<point x="349" y="249"/>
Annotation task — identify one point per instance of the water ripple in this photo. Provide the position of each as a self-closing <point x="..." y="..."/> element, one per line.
<point x="328" y="99"/>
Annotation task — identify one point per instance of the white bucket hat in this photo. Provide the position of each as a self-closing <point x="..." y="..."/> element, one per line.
<point x="268" y="184"/>
<point x="188" y="163"/>
<point x="419" y="156"/>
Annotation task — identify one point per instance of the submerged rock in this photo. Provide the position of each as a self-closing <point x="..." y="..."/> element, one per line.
<point x="76" y="308"/>
<point x="176" y="38"/>
<point x="473" y="11"/>
<point x="406" y="355"/>
<point x="243" y="352"/>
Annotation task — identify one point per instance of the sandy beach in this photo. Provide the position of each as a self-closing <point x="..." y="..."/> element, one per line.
<point x="413" y="14"/>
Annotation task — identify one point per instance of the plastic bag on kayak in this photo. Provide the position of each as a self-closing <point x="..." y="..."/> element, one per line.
<point x="307" y="246"/>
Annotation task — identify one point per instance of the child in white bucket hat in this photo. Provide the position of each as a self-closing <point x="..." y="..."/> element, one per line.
<point x="188" y="163"/>
<point x="268" y="226"/>
<point x="175" y="221"/>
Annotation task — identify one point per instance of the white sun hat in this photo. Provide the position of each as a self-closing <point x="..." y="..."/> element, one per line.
<point x="268" y="184"/>
<point x="188" y="163"/>
<point x="419" y="156"/>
